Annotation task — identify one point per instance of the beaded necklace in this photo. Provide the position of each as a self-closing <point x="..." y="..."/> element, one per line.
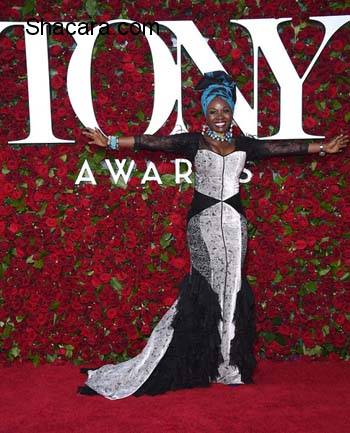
<point x="227" y="136"/>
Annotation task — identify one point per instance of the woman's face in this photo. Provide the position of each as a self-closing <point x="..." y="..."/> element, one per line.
<point x="219" y="115"/>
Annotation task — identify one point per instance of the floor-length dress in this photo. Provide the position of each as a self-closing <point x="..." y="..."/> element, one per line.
<point x="207" y="334"/>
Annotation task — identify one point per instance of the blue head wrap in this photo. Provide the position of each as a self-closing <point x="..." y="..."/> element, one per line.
<point x="214" y="84"/>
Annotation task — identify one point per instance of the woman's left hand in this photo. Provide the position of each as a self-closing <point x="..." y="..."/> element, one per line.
<point x="336" y="144"/>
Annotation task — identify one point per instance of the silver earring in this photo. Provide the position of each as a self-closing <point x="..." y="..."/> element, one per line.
<point x="231" y="127"/>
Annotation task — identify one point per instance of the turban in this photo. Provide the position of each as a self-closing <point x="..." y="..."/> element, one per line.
<point x="217" y="83"/>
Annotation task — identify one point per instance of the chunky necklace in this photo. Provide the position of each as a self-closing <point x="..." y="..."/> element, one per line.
<point x="227" y="136"/>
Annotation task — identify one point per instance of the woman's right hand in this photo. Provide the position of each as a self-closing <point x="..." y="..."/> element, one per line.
<point x="96" y="136"/>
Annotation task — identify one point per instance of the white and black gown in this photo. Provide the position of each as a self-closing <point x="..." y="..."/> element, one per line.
<point x="207" y="334"/>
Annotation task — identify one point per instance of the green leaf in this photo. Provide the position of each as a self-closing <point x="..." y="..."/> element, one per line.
<point x="28" y="7"/>
<point x="19" y="204"/>
<point x="327" y="206"/>
<point x="336" y="5"/>
<point x="287" y="229"/>
<point x="8" y="329"/>
<point x="14" y="352"/>
<point x="69" y="350"/>
<point x="323" y="86"/>
<point x="116" y="284"/>
<point x="188" y="83"/>
<point x="280" y="339"/>
<point x="324" y="271"/>
<point x="97" y="158"/>
<point x="279" y="179"/>
<point x="42" y="209"/>
<point x="336" y="264"/>
<point x="54" y="305"/>
<point x="278" y="277"/>
<point x="5" y="170"/>
<point x="345" y="277"/>
<point x="308" y="287"/>
<point x="29" y="259"/>
<point x="95" y="219"/>
<point x="35" y="358"/>
<point x="321" y="105"/>
<point x="140" y="115"/>
<point x="164" y="257"/>
<point x="336" y="104"/>
<point x="51" y="358"/>
<point x="269" y="336"/>
<point x="313" y="351"/>
<point x="165" y="240"/>
<point x="325" y="330"/>
<point x="38" y="264"/>
<point x="91" y="7"/>
<point x="251" y="279"/>
<point x="276" y="321"/>
<point x="168" y="179"/>
<point x="151" y="267"/>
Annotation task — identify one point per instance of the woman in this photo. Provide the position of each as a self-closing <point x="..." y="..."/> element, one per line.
<point x="207" y="335"/>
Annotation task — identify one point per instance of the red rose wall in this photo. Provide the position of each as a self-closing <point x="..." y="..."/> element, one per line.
<point x="87" y="271"/>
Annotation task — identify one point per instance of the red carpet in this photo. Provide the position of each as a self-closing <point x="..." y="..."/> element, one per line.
<point x="288" y="397"/>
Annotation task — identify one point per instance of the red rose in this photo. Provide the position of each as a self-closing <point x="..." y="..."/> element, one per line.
<point x="57" y="82"/>
<point x="14" y="228"/>
<point x="337" y="45"/>
<point x="168" y="301"/>
<point x="346" y="213"/>
<point x="95" y="281"/>
<point x="310" y="122"/>
<point x="300" y="244"/>
<point x="236" y="53"/>
<point x="51" y="222"/>
<point x="178" y="263"/>
<point x="112" y="313"/>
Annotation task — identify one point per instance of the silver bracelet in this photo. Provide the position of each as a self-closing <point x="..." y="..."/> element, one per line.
<point x="322" y="152"/>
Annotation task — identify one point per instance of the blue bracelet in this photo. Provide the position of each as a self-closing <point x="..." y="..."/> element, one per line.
<point x="113" y="144"/>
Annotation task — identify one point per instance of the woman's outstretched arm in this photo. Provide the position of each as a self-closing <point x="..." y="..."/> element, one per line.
<point x="258" y="149"/>
<point x="184" y="143"/>
<point x="97" y="137"/>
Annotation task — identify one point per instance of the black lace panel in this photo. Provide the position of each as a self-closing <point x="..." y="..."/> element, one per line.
<point x="185" y="144"/>
<point x="201" y="201"/>
<point x="259" y="149"/>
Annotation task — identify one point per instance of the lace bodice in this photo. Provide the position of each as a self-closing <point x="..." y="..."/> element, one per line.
<point x="187" y="145"/>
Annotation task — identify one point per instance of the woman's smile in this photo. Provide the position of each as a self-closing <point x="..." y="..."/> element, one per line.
<point x="219" y="115"/>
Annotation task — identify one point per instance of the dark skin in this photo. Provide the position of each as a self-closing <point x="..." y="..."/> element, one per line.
<point x="218" y="117"/>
